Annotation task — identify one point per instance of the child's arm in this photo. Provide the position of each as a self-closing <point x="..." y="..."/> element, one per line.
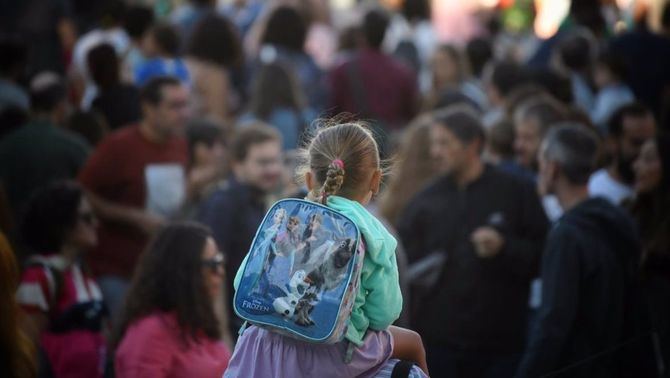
<point x="407" y="345"/>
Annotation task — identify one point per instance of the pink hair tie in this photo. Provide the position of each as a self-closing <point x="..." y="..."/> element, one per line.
<point x="339" y="163"/>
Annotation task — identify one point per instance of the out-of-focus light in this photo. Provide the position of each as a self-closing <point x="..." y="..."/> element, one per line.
<point x="550" y="14"/>
<point x="342" y="4"/>
<point x="624" y="4"/>
<point x="488" y="3"/>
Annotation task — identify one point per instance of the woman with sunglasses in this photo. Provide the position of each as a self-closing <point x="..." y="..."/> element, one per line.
<point x="168" y="327"/>
<point x="65" y="314"/>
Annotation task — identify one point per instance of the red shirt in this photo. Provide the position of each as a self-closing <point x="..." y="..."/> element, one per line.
<point x="390" y="89"/>
<point x="153" y="347"/>
<point x="129" y="170"/>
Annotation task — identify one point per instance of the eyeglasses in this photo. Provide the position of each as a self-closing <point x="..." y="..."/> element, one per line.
<point x="88" y="218"/>
<point x="215" y="264"/>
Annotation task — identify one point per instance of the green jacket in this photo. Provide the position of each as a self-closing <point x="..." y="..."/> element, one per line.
<point x="379" y="301"/>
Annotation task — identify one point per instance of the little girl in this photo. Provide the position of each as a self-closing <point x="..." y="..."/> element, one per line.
<point x="342" y="170"/>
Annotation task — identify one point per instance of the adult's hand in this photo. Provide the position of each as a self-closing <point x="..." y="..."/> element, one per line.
<point x="488" y="241"/>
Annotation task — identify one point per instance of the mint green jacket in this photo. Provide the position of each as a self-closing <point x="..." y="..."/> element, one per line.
<point x="379" y="300"/>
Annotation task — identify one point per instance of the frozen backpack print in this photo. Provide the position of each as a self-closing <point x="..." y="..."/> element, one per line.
<point x="302" y="272"/>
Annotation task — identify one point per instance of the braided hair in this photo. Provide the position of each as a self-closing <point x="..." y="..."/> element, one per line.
<point x="334" y="180"/>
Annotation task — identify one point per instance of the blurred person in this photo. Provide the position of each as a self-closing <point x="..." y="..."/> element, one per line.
<point x="89" y="125"/>
<point x="647" y="56"/>
<point x="278" y="101"/>
<point x="189" y="13"/>
<point x="14" y="99"/>
<point x="500" y="79"/>
<point x="118" y="102"/>
<point x="283" y="40"/>
<point x="412" y="37"/>
<point x="574" y="56"/>
<point x="629" y="128"/>
<point x="322" y="35"/>
<point x="40" y="151"/>
<point x="588" y="265"/>
<point x="109" y="31"/>
<point x="208" y="163"/>
<point x="650" y="211"/>
<point x="518" y="95"/>
<point x="137" y="21"/>
<point x="169" y="327"/>
<point x="18" y="357"/>
<point x="135" y="179"/>
<point x="581" y="14"/>
<point x="608" y="75"/>
<point x="162" y="52"/>
<point x="65" y="314"/>
<point x="373" y="84"/>
<point x="450" y="72"/>
<point x="234" y="211"/>
<point x="532" y="119"/>
<point x="479" y="52"/>
<point x="243" y="13"/>
<point x="11" y="118"/>
<point x="415" y="168"/>
<point x="500" y="145"/>
<point x="491" y="227"/>
<point x="13" y="59"/>
<point x="48" y="29"/>
<point x="555" y="83"/>
<point x="212" y="50"/>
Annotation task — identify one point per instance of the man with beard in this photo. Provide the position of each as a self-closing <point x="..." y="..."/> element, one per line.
<point x="588" y="270"/>
<point x="629" y="128"/>
<point x="490" y="228"/>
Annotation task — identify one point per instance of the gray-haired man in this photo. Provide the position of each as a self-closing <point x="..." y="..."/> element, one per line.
<point x="587" y="267"/>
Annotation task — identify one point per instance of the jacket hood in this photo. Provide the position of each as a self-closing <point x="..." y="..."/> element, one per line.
<point x="599" y="215"/>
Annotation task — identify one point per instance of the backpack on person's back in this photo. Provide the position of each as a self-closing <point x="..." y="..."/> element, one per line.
<point x="302" y="272"/>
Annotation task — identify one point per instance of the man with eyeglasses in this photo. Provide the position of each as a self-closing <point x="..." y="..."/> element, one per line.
<point x="135" y="180"/>
<point x="236" y="209"/>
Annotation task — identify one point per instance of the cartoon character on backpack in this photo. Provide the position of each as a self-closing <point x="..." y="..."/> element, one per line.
<point x="330" y="273"/>
<point x="285" y="306"/>
<point x="286" y="245"/>
<point x="269" y="237"/>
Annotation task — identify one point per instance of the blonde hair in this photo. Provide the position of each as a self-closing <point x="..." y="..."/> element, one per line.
<point x="341" y="157"/>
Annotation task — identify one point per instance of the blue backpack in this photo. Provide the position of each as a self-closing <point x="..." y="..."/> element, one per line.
<point x="302" y="272"/>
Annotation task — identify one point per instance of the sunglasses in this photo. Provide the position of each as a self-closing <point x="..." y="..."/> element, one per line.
<point x="215" y="264"/>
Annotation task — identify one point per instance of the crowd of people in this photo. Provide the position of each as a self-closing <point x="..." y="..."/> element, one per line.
<point x="526" y="181"/>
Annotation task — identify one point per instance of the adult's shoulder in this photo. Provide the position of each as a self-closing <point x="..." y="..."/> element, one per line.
<point x="122" y="136"/>
<point x="155" y="324"/>
<point x="224" y="193"/>
<point x="503" y="180"/>
<point x="73" y="140"/>
<point x="436" y="188"/>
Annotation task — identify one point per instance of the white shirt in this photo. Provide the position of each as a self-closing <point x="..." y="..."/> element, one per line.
<point x="603" y="185"/>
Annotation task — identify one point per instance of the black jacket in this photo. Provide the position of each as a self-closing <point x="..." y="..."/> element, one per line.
<point x="478" y="304"/>
<point x="588" y="272"/>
